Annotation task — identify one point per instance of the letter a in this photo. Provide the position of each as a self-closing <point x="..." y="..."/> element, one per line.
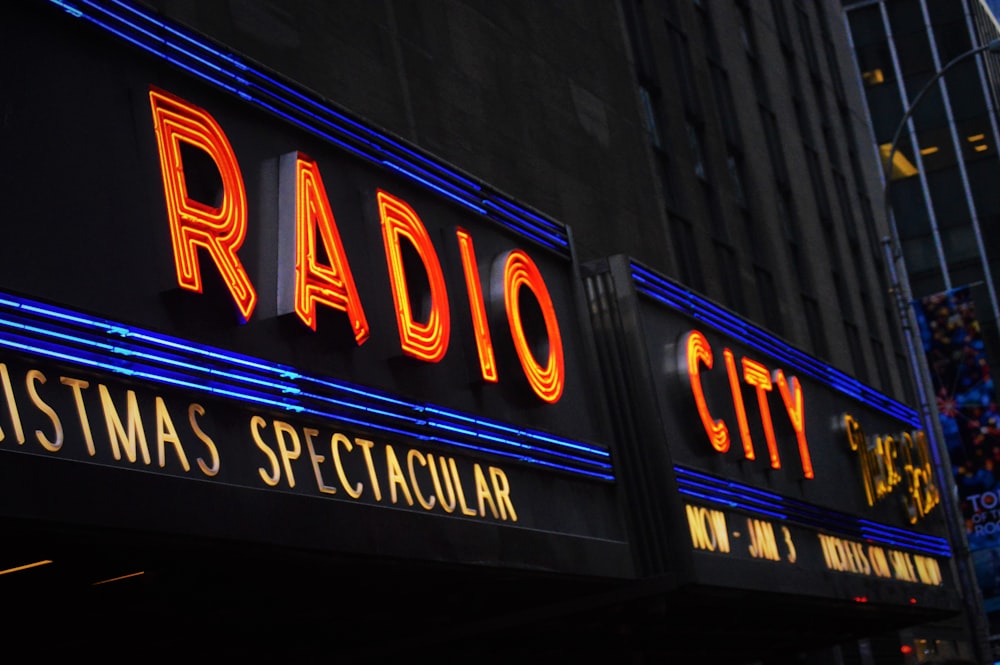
<point x="194" y="224"/>
<point x="304" y="208"/>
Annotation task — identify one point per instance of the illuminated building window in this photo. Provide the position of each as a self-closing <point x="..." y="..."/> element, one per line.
<point x="873" y="77"/>
<point x="901" y="166"/>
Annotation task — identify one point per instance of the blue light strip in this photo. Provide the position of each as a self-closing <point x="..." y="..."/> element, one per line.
<point x="203" y="59"/>
<point x="731" y="494"/>
<point x="31" y="327"/>
<point x="691" y="304"/>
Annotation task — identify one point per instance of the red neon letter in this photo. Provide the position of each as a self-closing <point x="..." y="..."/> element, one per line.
<point x="696" y="351"/>
<point x="519" y="270"/>
<point x="791" y="394"/>
<point x="194" y="224"/>
<point x="756" y="375"/>
<point x="484" y="344"/>
<point x="741" y="409"/>
<point x="304" y="207"/>
<point x="426" y="341"/>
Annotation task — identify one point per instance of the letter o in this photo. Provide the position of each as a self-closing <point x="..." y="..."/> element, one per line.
<point x="988" y="500"/>
<point x="519" y="271"/>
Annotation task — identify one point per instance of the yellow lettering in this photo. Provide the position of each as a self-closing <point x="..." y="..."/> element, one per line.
<point x="483" y="493"/>
<point x="879" y="562"/>
<point x="52" y="445"/>
<point x="451" y="502"/>
<point x="132" y="441"/>
<point x="396" y="477"/>
<point x="708" y="528"/>
<point x="281" y="429"/>
<point x="366" y="449"/>
<point x="902" y="566"/>
<point x="78" y="386"/>
<point x="763" y="544"/>
<point x="336" y="441"/>
<point x="414" y="454"/>
<point x="204" y="438"/>
<point x="459" y="490"/>
<point x="501" y="489"/>
<point x="317" y="460"/>
<point x="167" y="433"/>
<point x="792" y="555"/>
<point x="15" y="416"/>
<point x="270" y="479"/>
<point x="928" y="570"/>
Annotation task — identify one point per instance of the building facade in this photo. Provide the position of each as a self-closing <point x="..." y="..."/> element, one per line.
<point x="921" y="57"/>
<point x="471" y="329"/>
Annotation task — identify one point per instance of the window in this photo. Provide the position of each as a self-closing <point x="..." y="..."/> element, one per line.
<point x="684" y="70"/>
<point x="697" y="156"/>
<point x="857" y="356"/>
<point x="769" y="298"/>
<point x="686" y="253"/>
<point x="814" y="324"/>
<point x="729" y="270"/>
<point x="724" y="105"/>
<point x="771" y="135"/>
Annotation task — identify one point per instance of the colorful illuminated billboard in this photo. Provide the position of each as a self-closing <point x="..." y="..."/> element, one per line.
<point x="217" y="288"/>
<point x="970" y="421"/>
<point x="759" y="467"/>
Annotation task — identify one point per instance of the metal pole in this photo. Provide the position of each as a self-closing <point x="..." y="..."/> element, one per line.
<point x="972" y="601"/>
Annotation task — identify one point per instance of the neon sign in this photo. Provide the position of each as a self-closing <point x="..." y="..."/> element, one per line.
<point x="695" y="355"/>
<point x="892" y="460"/>
<point x="307" y="222"/>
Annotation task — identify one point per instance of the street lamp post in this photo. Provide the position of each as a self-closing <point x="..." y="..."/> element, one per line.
<point x="971" y="597"/>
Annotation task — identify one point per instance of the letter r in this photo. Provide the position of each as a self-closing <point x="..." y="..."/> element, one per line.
<point x="194" y="224"/>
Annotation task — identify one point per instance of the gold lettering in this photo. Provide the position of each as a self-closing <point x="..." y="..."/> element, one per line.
<point x="366" y="449"/>
<point x="762" y="541"/>
<point x="167" y="433"/>
<point x="396" y="477"/>
<point x="501" y="488"/>
<point x="483" y="493"/>
<point x="879" y="561"/>
<point x="204" y="438"/>
<point x="928" y="570"/>
<point x="414" y="454"/>
<point x="15" y="416"/>
<point x="78" y="386"/>
<point x="317" y="460"/>
<point x="336" y="441"/>
<point x="270" y="479"/>
<point x="708" y="528"/>
<point x="459" y="490"/>
<point x="902" y="566"/>
<point x="281" y="429"/>
<point x="451" y="502"/>
<point x="890" y="461"/>
<point x="789" y="543"/>
<point x="52" y="445"/>
<point x="132" y="441"/>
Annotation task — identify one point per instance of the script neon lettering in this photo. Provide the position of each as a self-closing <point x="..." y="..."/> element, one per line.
<point x="791" y="395"/>
<point x="303" y="209"/>
<point x="697" y="352"/>
<point x="428" y="340"/>
<point x="195" y="224"/>
<point x="694" y="368"/>
<point x="519" y="271"/>
<point x="484" y="344"/>
<point x="741" y="410"/>
<point x="756" y="375"/>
